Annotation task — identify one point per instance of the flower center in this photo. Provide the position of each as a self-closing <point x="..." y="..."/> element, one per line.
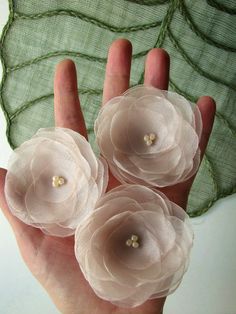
<point x="149" y="139"/>
<point x="57" y="181"/>
<point x="133" y="241"/>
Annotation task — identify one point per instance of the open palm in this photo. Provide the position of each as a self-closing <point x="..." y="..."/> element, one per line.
<point x="51" y="260"/>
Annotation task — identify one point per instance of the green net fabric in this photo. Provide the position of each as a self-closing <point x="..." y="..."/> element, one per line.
<point x="199" y="36"/>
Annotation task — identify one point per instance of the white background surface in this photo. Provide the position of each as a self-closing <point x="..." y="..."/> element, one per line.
<point x="209" y="287"/>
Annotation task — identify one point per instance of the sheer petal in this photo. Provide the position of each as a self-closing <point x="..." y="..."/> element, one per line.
<point x="129" y="275"/>
<point x="188" y="140"/>
<point x="62" y="138"/>
<point x="85" y="150"/>
<point x="143" y="122"/>
<point x="119" y="132"/>
<point x="182" y="105"/>
<point x="111" y="290"/>
<point x="151" y="137"/>
<point x="197" y="121"/>
<point x="138" y="297"/>
<point x="135" y="194"/>
<point x="102" y="176"/>
<point x="141" y="258"/>
<point x="54" y="180"/>
<point x="160" y="106"/>
<point x="161" y="164"/>
<point x="42" y="211"/>
<point x="142" y="90"/>
<point x="104" y="142"/>
<point x="18" y="179"/>
<point x="53" y="160"/>
<point x="58" y="231"/>
<point x="165" y="234"/>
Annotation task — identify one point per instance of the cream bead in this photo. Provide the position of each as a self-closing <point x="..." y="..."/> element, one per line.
<point x="57" y="181"/>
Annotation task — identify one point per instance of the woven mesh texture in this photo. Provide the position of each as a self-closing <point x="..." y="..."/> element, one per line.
<point x="198" y="35"/>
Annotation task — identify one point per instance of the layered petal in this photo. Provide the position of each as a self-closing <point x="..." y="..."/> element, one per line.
<point x="135" y="246"/>
<point x="54" y="180"/>
<point x="150" y="136"/>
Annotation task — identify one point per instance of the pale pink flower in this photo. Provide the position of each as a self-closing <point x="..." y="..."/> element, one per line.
<point x="135" y="246"/>
<point x="150" y="136"/>
<point x="54" y="181"/>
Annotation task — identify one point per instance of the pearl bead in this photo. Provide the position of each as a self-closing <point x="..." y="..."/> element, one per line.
<point x="135" y="245"/>
<point x="57" y="181"/>
<point x="152" y="136"/>
<point x="61" y="181"/>
<point x="134" y="238"/>
<point x="129" y="242"/>
<point x="149" y="138"/>
<point x="133" y="241"/>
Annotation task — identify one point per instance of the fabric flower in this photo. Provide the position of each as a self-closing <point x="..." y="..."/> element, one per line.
<point x="150" y="136"/>
<point x="135" y="246"/>
<point x="54" y="180"/>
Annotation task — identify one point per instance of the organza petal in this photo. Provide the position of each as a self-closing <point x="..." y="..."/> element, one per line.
<point x="189" y="140"/>
<point x="103" y="140"/>
<point x="123" y="132"/>
<point x="111" y="290"/>
<point x="18" y="179"/>
<point x="197" y="120"/>
<point x="161" y="164"/>
<point x="42" y="211"/>
<point x="100" y="218"/>
<point x="184" y="235"/>
<point x="95" y="254"/>
<point x="46" y="164"/>
<point x="142" y="90"/>
<point x="189" y="172"/>
<point x="142" y="122"/>
<point x="165" y="236"/>
<point x="182" y="106"/>
<point x="32" y="195"/>
<point x="102" y="176"/>
<point x="63" y="137"/>
<point x="119" y="133"/>
<point x="58" y="231"/>
<point x="117" y="271"/>
<point x="147" y="253"/>
<point x="85" y="150"/>
<point x="160" y="106"/>
<point x="169" y="283"/>
<point x="135" y="194"/>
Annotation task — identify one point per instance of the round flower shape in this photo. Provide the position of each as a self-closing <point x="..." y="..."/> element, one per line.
<point x="54" y="180"/>
<point x="134" y="246"/>
<point x="150" y="136"/>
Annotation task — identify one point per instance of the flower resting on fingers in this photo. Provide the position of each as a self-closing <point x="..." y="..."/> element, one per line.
<point x="54" y="180"/>
<point x="135" y="246"/>
<point x="150" y="136"/>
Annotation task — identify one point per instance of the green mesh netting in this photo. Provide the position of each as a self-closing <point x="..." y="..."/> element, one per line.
<point x="199" y="36"/>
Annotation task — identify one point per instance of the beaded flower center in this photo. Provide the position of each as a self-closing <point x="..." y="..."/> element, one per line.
<point x="133" y="241"/>
<point x="57" y="181"/>
<point x="149" y="139"/>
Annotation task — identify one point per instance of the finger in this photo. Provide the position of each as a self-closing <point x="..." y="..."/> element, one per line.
<point x="117" y="69"/>
<point x="207" y="108"/>
<point x="68" y="113"/>
<point x="157" y="67"/>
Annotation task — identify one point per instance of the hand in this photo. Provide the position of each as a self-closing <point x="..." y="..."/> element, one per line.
<point x="51" y="260"/>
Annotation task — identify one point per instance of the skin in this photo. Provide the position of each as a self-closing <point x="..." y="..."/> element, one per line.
<point x="51" y="260"/>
